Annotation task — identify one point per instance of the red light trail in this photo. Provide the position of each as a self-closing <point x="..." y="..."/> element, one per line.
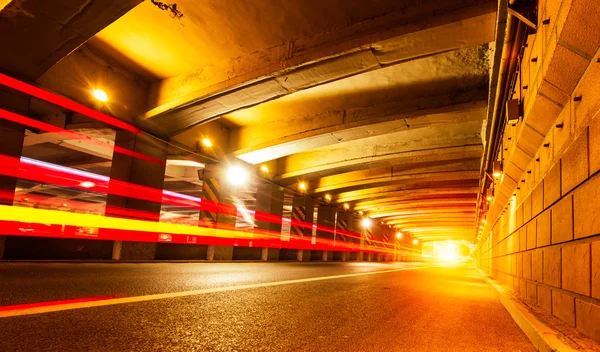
<point x="46" y="173"/>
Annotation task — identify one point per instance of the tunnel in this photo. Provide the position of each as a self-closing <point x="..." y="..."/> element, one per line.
<point x="300" y="175"/>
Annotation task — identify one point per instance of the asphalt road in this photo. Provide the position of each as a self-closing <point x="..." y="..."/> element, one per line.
<point x="413" y="308"/>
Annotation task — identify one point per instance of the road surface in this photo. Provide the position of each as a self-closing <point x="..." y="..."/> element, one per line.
<point x="252" y="307"/>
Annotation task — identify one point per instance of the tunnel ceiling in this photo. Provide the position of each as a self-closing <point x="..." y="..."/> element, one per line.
<point x="380" y="104"/>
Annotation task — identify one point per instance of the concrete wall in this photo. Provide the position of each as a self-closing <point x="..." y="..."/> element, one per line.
<point x="542" y="237"/>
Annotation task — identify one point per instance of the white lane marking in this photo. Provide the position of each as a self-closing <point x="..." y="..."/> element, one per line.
<point x="113" y="301"/>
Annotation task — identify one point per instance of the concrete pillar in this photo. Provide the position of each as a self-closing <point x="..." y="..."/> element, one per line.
<point x="139" y="172"/>
<point x="269" y="199"/>
<point x="11" y="144"/>
<point x="216" y="189"/>
<point x="325" y="217"/>
<point x="341" y="239"/>
<point x="354" y="226"/>
<point x="302" y="214"/>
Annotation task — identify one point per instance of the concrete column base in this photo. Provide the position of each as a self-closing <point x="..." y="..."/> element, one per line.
<point x="133" y="250"/>
<point x="345" y="256"/>
<point x="303" y="255"/>
<point x="269" y="254"/>
<point x="219" y="253"/>
<point x="360" y="256"/>
<point x="2" y="245"/>
<point x="327" y="256"/>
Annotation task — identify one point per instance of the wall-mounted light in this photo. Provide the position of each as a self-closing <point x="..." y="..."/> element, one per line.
<point x="328" y="197"/>
<point x="399" y="235"/>
<point x="302" y="186"/>
<point x="489" y="195"/>
<point x="264" y="169"/>
<point x="346" y="206"/>
<point x="513" y="111"/>
<point x="497" y="170"/>
<point x="415" y="241"/>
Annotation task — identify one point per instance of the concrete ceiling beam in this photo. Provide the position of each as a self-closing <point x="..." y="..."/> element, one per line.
<point x="39" y="33"/>
<point x="391" y="192"/>
<point x="416" y="145"/>
<point x="380" y="211"/>
<point x="259" y="143"/>
<point x="340" y="183"/>
<point x="430" y="28"/>
<point x="391" y="202"/>
<point x="406" y="180"/>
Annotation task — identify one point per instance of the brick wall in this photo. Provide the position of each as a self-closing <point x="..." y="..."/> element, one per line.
<point x="542" y="235"/>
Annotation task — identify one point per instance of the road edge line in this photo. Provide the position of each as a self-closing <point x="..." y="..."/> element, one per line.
<point x="543" y="337"/>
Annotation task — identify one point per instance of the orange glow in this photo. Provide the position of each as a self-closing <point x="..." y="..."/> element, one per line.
<point x="346" y="206"/>
<point x="302" y="186"/>
<point x="237" y="175"/>
<point x="264" y="169"/>
<point x="366" y="223"/>
<point x="206" y="142"/>
<point x="100" y="95"/>
<point x="415" y="241"/>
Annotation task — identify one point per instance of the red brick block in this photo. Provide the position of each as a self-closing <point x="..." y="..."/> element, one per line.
<point x="536" y="265"/>
<point x="551" y="271"/>
<point x="589" y="91"/>
<point x="562" y="220"/>
<point x="552" y="185"/>
<point x="532" y="292"/>
<point x="576" y="268"/>
<point x="595" y="144"/>
<point x="513" y="269"/>
<point x="527" y="265"/>
<point x="512" y="170"/>
<point x="546" y="155"/>
<point x="527" y="210"/>
<point x="537" y="199"/>
<point x="544" y="298"/>
<point x="543" y="229"/>
<point x="531" y="235"/>
<point x="596" y="269"/>
<point x="519" y="216"/>
<point x="523" y="288"/>
<point x="588" y="319"/>
<point x="563" y="307"/>
<point x="530" y="140"/>
<point x="563" y="68"/>
<point x="577" y="25"/>
<point x="586" y="209"/>
<point x="523" y="239"/>
<point x="562" y="135"/>
<point x="575" y="164"/>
